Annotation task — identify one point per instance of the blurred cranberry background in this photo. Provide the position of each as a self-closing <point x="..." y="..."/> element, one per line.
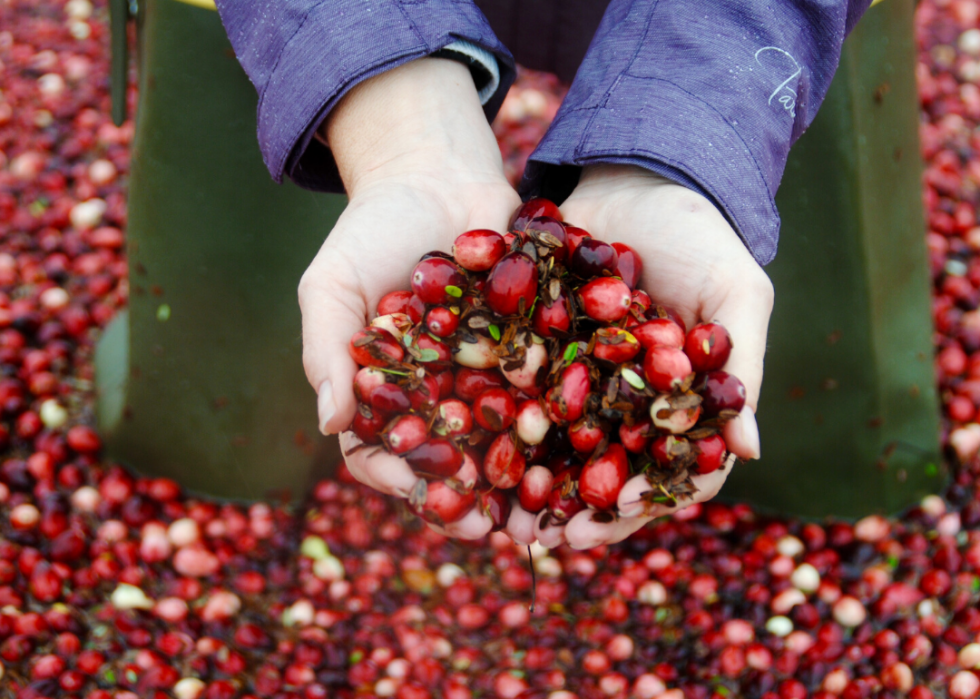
<point x="117" y="586"/>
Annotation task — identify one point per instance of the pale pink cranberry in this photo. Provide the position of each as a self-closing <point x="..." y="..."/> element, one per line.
<point x="195" y="562"/>
<point x="171" y="609"/>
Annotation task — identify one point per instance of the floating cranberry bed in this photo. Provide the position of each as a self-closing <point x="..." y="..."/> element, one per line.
<point x="117" y="586"/>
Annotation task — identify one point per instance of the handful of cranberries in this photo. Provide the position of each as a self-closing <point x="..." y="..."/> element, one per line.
<point x="529" y="365"/>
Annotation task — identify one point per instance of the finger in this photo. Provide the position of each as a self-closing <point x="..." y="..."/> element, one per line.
<point x="552" y="536"/>
<point x="333" y="309"/>
<point x="378" y="469"/>
<point x="583" y="533"/>
<point x="520" y="524"/>
<point x="633" y="503"/>
<point x="473" y="525"/>
<point x="745" y="314"/>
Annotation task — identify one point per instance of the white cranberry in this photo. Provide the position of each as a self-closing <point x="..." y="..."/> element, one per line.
<point x="652" y="592"/>
<point x="648" y="686"/>
<point x="964" y="685"/>
<point x="786" y="600"/>
<point x="329" y="569"/>
<point x="934" y="506"/>
<point x="54" y="298"/>
<point x="188" y="688"/>
<point x="965" y="441"/>
<point x="805" y="578"/>
<point x="836" y="681"/>
<point x="969" y="656"/>
<point x="24" y="516"/>
<point x="183" y="532"/>
<point x="620" y="647"/>
<point x="221" y="605"/>
<point x="195" y="562"/>
<point x="112" y="530"/>
<point x="526" y="376"/>
<point x="87" y="214"/>
<point x="78" y="9"/>
<point x="301" y="613"/>
<point x="385" y="687"/>
<point x="779" y="626"/>
<point x="949" y="524"/>
<point x="53" y="414"/>
<point x="102" y="171"/>
<point x="799" y="642"/>
<point x="130" y="597"/>
<point x="738" y="632"/>
<point x="789" y="546"/>
<point x="673" y="421"/>
<point x="172" y="609"/>
<point x="872" y="528"/>
<point x="477" y="355"/>
<point x="448" y="573"/>
<point x="398" y="668"/>
<point x="51" y="84"/>
<point x="848" y="611"/>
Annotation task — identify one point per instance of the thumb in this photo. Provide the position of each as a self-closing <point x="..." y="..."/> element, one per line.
<point x="745" y="314"/>
<point x="333" y="309"/>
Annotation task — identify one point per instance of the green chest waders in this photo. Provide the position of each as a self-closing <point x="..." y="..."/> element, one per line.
<point x="848" y="415"/>
<point x="202" y="380"/>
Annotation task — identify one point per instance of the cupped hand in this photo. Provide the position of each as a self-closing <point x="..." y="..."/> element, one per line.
<point x="695" y="263"/>
<point x="420" y="165"/>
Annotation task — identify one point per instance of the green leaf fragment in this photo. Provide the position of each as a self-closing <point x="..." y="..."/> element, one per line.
<point x="570" y="353"/>
<point x="634" y="379"/>
<point x="428" y="355"/>
<point x="356" y="656"/>
<point x="494" y="332"/>
<point x="454" y="291"/>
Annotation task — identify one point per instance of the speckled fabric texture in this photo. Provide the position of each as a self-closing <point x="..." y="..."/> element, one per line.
<point x="709" y="93"/>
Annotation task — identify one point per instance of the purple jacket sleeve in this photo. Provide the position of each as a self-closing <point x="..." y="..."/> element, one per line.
<point x="710" y="94"/>
<point x="304" y="55"/>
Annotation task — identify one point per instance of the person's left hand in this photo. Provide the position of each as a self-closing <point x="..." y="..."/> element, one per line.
<point x="695" y="263"/>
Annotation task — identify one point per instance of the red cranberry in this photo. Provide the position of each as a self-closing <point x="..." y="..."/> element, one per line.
<point x="436" y="280"/>
<point x="512" y="284"/>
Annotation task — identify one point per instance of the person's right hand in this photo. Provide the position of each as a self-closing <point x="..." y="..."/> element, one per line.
<point x="420" y="165"/>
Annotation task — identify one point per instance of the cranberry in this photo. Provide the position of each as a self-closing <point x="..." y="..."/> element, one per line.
<point x="720" y="391"/>
<point x="530" y="209"/>
<point x="437" y="458"/>
<point x="603" y="477"/>
<point x="394" y="302"/>
<point x="478" y="250"/>
<point x="512" y="284"/>
<point x="494" y="410"/>
<point x="708" y="346"/>
<point x="436" y="280"/>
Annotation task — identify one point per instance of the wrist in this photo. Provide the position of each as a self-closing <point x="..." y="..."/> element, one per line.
<point x="420" y="119"/>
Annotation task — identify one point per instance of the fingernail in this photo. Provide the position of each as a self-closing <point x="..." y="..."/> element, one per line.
<point x="750" y="433"/>
<point x="325" y="406"/>
<point x="632" y="510"/>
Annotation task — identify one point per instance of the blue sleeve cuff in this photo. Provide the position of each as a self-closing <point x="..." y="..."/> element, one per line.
<point x="332" y="51"/>
<point x="703" y="152"/>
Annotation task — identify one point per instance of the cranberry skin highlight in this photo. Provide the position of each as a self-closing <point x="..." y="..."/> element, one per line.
<point x="606" y="299"/>
<point x="603" y="477"/>
<point x="494" y="410"/>
<point x="513" y="278"/>
<point x="375" y="347"/>
<point x="659" y="332"/>
<point x="496" y="505"/>
<point x="437" y="458"/>
<point x="566" y="401"/>
<point x="470" y="383"/>
<point x="432" y="276"/>
<point x="708" y="346"/>
<point x="479" y="250"/>
<point x="629" y="266"/>
<point x="444" y="504"/>
<point x="504" y="465"/>
<point x="534" y="488"/>
<point x="711" y="453"/>
<point x="666" y="368"/>
<point x="548" y="319"/>
<point x="404" y="433"/>
<point x="533" y="208"/>
<point x="441" y="321"/>
<point x="615" y="345"/>
<point x="593" y="258"/>
<point x="395" y="302"/>
<point x="720" y="391"/>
